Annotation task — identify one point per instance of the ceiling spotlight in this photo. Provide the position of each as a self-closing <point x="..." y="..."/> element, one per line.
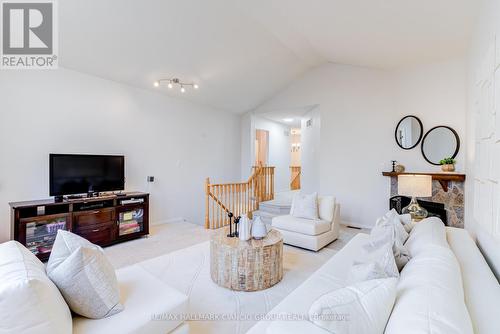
<point x="288" y="120"/>
<point x="176" y="81"/>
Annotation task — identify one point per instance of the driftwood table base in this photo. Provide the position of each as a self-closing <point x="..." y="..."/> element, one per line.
<point x="246" y="265"/>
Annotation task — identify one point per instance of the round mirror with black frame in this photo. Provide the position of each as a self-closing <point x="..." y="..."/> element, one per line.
<point x="439" y="143"/>
<point x="408" y="132"/>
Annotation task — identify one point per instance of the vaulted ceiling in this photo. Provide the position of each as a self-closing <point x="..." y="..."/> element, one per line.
<point x="242" y="52"/>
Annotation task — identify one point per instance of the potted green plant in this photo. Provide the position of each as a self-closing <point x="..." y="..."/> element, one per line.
<point x="448" y="164"/>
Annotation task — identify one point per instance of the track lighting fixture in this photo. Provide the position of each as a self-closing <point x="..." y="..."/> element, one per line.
<point x="176" y="81"/>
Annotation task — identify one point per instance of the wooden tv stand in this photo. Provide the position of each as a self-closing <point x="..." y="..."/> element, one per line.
<point x="104" y="221"/>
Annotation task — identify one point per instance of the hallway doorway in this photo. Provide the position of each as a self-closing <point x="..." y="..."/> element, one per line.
<point x="295" y="164"/>
<point x="261" y="147"/>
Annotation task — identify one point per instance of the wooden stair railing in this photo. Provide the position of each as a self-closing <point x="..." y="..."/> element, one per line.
<point x="238" y="198"/>
<point x="295" y="177"/>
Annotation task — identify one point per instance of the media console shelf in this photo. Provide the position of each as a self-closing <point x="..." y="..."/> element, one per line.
<point x="103" y="220"/>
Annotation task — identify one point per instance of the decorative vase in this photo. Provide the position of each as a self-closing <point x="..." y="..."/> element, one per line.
<point x="399" y="168"/>
<point x="448" y="168"/>
<point x="245" y="228"/>
<point x="259" y="229"/>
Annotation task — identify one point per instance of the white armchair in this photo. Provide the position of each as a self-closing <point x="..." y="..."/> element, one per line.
<point x="308" y="233"/>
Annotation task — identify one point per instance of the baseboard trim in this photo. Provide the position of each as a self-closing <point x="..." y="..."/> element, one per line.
<point x="356" y="226"/>
<point x="183" y="220"/>
<point x="170" y="221"/>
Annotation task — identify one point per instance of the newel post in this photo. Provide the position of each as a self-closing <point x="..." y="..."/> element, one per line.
<point x="207" y="192"/>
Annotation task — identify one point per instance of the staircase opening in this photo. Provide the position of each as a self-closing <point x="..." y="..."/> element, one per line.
<point x="287" y="139"/>
<point x="238" y="198"/>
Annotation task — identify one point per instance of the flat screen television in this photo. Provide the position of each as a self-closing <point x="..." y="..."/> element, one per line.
<point x="71" y="174"/>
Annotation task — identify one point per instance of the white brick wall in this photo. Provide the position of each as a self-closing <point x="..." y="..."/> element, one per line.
<point x="485" y="96"/>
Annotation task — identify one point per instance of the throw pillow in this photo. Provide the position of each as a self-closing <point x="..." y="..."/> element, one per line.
<point x="363" y="307"/>
<point x="326" y="208"/>
<point x="392" y="220"/>
<point x="64" y="245"/>
<point x="401" y="254"/>
<point x="383" y="234"/>
<point x="406" y="221"/>
<point x="29" y="301"/>
<point x="361" y="272"/>
<point x="305" y="206"/>
<point x="84" y="276"/>
<point x="379" y="263"/>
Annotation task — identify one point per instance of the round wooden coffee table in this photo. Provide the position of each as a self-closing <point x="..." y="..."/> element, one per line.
<point x="246" y="265"/>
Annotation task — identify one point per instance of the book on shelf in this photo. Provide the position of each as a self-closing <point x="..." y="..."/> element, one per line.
<point x="130" y="230"/>
<point x="128" y="223"/>
<point x="129" y="226"/>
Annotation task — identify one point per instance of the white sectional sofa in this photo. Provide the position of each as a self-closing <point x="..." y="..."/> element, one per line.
<point x="446" y="288"/>
<point x="148" y="306"/>
<point x="31" y="304"/>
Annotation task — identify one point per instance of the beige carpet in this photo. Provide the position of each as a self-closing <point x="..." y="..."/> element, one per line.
<point x="163" y="239"/>
<point x="186" y="268"/>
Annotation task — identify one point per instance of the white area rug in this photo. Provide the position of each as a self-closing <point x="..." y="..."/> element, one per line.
<point x="188" y="270"/>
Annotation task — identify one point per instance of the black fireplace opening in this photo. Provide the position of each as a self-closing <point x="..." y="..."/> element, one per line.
<point x="435" y="209"/>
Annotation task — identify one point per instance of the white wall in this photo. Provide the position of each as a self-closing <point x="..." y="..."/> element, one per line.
<point x="310" y="151"/>
<point x="483" y="134"/>
<point x="359" y="109"/>
<point x="279" y="151"/>
<point x="62" y="111"/>
<point x="247" y="145"/>
<point x="437" y="94"/>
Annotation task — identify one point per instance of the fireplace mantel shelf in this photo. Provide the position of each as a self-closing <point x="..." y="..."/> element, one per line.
<point x="442" y="178"/>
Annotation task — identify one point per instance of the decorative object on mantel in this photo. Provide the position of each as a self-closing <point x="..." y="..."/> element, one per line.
<point x="259" y="229"/>
<point x="396" y="167"/>
<point x="448" y="164"/>
<point x="408" y="132"/>
<point x="447" y="189"/>
<point x="440" y="141"/>
<point x="415" y="186"/>
<point x="399" y="168"/>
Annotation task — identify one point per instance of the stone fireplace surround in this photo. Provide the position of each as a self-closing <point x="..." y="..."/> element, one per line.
<point x="453" y="199"/>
